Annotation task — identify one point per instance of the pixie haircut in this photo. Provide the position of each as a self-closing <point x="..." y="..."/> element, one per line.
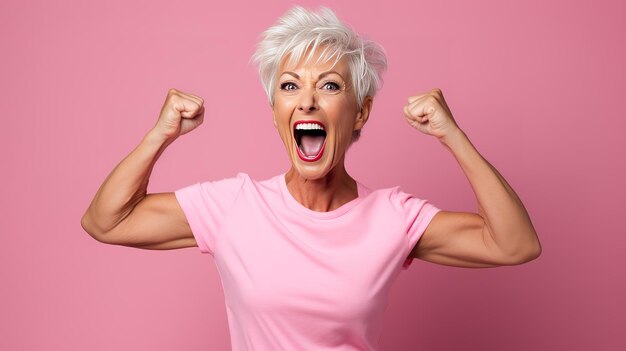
<point x="300" y="29"/>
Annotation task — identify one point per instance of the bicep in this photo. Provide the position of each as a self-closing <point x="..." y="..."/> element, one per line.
<point x="157" y="222"/>
<point x="458" y="239"/>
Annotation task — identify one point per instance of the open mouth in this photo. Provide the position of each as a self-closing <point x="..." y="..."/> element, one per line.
<point x="310" y="139"/>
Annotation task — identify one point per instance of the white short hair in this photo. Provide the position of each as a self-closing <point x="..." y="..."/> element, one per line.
<point x="298" y="29"/>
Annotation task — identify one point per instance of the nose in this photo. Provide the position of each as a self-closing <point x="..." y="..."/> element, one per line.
<point x="308" y="100"/>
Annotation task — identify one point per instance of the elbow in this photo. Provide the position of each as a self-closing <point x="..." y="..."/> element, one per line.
<point x="534" y="250"/>
<point x="91" y="229"/>
<point x="537" y="250"/>
<point x="86" y="224"/>
<point x="528" y="253"/>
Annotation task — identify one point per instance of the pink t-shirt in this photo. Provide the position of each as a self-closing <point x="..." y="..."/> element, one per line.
<point x="297" y="279"/>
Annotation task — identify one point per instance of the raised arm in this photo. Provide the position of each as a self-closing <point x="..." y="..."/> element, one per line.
<point x="501" y="233"/>
<point x="121" y="212"/>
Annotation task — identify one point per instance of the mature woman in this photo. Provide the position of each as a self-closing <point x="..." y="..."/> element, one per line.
<point x="307" y="257"/>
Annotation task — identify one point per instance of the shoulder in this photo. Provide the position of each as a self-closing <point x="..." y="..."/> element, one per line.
<point x="409" y="207"/>
<point x="245" y="185"/>
<point x="236" y="181"/>
<point x="396" y="197"/>
<point x="388" y="200"/>
<point x="226" y="187"/>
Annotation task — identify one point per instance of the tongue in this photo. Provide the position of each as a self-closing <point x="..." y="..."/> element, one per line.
<point x="311" y="145"/>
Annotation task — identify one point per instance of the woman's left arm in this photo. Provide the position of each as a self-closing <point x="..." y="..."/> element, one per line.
<point x="501" y="233"/>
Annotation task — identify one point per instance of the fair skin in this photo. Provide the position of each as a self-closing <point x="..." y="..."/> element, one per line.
<point x="322" y="93"/>
<point x="501" y="233"/>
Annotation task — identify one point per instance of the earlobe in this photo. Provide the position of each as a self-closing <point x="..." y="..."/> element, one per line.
<point x="363" y="115"/>
<point x="359" y="122"/>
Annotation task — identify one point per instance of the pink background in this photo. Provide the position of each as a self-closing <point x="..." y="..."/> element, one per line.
<point x="537" y="85"/>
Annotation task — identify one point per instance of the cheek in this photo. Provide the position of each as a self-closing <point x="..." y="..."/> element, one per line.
<point x="283" y="108"/>
<point x="342" y="114"/>
<point x="281" y="122"/>
<point x="280" y="113"/>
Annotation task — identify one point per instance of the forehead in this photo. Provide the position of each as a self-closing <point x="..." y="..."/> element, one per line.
<point x="315" y="63"/>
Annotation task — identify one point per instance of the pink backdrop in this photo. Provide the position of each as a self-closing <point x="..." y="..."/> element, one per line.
<point x="537" y="85"/>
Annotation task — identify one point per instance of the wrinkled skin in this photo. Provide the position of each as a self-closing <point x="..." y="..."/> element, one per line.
<point x="303" y="94"/>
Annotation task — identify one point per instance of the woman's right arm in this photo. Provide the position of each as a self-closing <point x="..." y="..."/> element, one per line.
<point x="121" y="212"/>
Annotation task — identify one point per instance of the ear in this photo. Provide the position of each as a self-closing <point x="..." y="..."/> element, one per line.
<point x="364" y="114"/>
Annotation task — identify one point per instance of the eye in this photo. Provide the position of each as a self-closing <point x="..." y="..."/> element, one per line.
<point x="288" y="86"/>
<point x="331" y="86"/>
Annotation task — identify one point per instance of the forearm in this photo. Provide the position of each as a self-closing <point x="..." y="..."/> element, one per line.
<point x="504" y="214"/>
<point x="124" y="187"/>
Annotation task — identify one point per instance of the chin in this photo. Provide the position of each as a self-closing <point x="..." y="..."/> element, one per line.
<point x="313" y="170"/>
<point x="310" y="172"/>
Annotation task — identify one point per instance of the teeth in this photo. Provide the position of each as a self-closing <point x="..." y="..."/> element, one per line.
<point x="309" y="126"/>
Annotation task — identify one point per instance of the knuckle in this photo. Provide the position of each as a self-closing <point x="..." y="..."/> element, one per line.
<point x="173" y="97"/>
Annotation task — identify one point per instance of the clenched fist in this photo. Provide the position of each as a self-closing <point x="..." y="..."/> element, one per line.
<point x="430" y="114"/>
<point x="180" y="114"/>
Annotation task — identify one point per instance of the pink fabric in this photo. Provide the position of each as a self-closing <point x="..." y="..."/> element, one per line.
<point x="296" y="279"/>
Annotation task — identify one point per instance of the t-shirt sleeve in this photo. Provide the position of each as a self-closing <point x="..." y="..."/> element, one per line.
<point x="206" y="204"/>
<point x="417" y="214"/>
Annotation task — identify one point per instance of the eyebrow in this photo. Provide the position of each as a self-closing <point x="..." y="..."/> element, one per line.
<point x="322" y="75"/>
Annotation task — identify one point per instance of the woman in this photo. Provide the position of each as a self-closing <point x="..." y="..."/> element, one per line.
<point x="307" y="257"/>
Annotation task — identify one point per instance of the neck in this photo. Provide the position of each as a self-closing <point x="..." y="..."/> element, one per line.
<point x="324" y="194"/>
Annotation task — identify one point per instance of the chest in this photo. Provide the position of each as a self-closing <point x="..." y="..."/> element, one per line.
<point x="277" y="263"/>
